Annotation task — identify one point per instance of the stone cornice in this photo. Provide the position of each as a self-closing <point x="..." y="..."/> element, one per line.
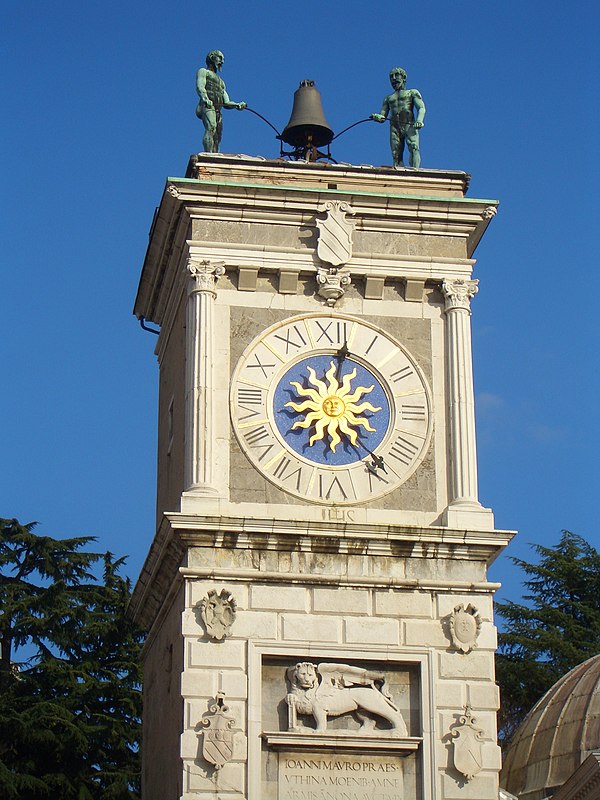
<point x="414" y="201"/>
<point x="179" y="532"/>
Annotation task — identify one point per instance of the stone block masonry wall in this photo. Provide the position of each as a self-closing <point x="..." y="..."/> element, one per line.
<point x="357" y="621"/>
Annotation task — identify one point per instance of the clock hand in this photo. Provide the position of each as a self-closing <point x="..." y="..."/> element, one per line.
<point x="376" y="463"/>
<point x="341" y="354"/>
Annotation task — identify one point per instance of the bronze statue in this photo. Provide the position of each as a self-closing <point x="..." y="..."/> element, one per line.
<point x="213" y="97"/>
<point x="401" y="107"/>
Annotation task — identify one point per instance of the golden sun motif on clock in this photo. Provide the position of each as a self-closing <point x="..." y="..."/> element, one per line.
<point x="332" y="406"/>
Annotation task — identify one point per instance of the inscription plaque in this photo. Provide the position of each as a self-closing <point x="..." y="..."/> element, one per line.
<point x="333" y="777"/>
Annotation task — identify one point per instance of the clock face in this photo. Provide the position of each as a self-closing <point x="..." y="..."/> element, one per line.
<point x="331" y="409"/>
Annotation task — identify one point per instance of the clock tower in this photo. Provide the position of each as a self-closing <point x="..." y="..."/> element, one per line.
<point x="316" y="595"/>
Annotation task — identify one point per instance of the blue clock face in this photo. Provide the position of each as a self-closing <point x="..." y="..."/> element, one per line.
<point x="330" y="411"/>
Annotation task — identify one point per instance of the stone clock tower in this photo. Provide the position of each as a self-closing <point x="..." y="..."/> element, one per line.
<point x="316" y="595"/>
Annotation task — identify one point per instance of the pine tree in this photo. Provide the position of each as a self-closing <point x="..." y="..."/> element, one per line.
<point x="556" y="628"/>
<point x="70" y="710"/>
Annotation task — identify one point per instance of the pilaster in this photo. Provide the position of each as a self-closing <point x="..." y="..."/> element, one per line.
<point x="199" y="412"/>
<point x="464" y="508"/>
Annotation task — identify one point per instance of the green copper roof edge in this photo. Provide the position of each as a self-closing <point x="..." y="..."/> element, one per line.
<point x="335" y="191"/>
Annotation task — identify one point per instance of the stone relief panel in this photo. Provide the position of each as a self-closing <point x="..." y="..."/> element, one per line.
<point x="334" y="729"/>
<point x="328" y="690"/>
<point x="218" y="612"/>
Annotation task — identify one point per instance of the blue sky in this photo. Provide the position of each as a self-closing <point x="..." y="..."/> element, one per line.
<point x="99" y="99"/>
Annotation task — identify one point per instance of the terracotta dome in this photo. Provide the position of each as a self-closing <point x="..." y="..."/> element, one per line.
<point x="555" y="738"/>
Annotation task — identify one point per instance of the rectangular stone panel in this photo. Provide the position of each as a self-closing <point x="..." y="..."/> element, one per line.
<point x="403" y="604"/>
<point x="320" y="776"/>
<point x="348" y="601"/>
<point x="215" y="655"/>
<point x="279" y="598"/>
<point x="368" y="630"/>
<point x="304" y="628"/>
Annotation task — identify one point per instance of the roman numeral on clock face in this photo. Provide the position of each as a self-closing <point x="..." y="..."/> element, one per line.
<point x="248" y="396"/>
<point x="261" y="439"/>
<point x="331" y="331"/>
<point x="293" y="338"/>
<point x="400" y="374"/>
<point x="258" y="364"/>
<point x="413" y="411"/>
<point x="332" y="487"/>
<point x="249" y="402"/>
<point x="403" y="450"/>
<point x="283" y="472"/>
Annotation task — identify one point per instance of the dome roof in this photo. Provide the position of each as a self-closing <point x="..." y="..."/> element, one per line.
<point x="556" y="736"/>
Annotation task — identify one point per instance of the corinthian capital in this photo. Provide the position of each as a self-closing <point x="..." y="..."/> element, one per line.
<point x="458" y="293"/>
<point x="204" y="275"/>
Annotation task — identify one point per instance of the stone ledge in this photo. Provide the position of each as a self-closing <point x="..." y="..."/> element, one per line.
<point x="340" y="741"/>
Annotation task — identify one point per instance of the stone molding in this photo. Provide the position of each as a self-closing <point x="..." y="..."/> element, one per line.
<point x="292" y="740"/>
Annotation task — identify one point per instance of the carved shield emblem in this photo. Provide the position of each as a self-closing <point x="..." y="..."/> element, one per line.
<point x="218" y="613"/>
<point x="335" y="234"/>
<point x="467" y="746"/>
<point x="217" y="739"/>
<point x="465" y="624"/>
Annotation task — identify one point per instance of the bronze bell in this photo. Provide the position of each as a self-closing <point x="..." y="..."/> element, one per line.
<point x="307" y="128"/>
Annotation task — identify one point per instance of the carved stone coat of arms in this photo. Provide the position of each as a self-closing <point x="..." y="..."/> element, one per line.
<point x="335" y="234"/>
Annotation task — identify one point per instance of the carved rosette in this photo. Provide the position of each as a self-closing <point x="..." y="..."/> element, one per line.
<point x="217" y="739"/>
<point x="218" y="613"/>
<point x="332" y="283"/>
<point x="465" y="625"/>
<point x="334" y="245"/>
<point x="205" y="275"/>
<point x="467" y="737"/>
<point x="458" y="293"/>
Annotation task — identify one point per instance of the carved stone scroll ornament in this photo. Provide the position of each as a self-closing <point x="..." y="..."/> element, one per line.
<point x="217" y="739"/>
<point x="205" y="275"/>
<point x="332" y="283"/>
<point x="465" y="625"/>
<point x="458" y="293"/>
<point x="467" y="745"/>
<point x="333" y="690"/>
<point x="218" y="613"/>
<point x="334" y="245"/>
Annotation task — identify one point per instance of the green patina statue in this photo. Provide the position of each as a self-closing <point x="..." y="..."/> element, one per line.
<point x="401" y="107"/>
<point x="213" y="97"/>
